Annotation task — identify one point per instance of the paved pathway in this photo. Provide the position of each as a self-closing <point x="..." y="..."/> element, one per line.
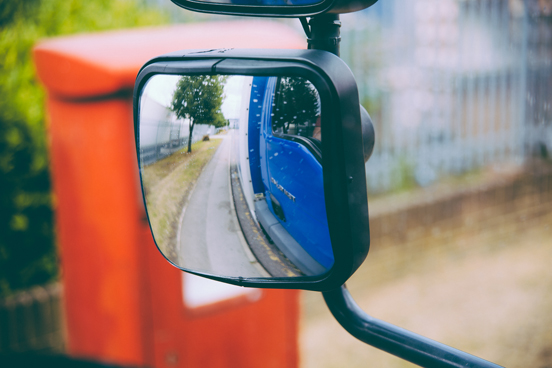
<point x="210" y="235"/>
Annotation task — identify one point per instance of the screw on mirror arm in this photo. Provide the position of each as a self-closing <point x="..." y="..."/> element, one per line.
<point x="395" y="340"/>
<point x="323" y="32"/>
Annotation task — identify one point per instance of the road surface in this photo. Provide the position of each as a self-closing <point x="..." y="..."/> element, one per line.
<point x="209" y="233"/>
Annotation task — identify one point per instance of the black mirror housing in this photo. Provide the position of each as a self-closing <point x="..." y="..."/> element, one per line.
<point x="271" y="8"/>
<point x="344" y="176"/>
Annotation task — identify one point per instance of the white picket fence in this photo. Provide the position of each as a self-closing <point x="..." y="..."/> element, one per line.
<point x="451" y="85"/>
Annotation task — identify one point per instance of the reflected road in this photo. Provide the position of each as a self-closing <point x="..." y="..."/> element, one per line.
<point x="209" y="234"/>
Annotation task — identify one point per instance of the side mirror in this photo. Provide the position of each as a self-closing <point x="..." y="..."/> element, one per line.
<point x="252" y="166"/>
<point x="275" y="8"/>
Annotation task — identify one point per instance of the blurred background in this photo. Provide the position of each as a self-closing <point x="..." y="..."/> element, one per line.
<point x="28" y="258"/>
<point x="460" y="181"/>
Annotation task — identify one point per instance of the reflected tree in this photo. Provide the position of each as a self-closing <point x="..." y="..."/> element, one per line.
<point x="199" y="99"/>
<point x="298" y="106"/>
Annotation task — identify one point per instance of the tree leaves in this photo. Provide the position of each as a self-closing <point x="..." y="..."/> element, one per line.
<point x="27" y="246"/>
<point x="199" y="98"/>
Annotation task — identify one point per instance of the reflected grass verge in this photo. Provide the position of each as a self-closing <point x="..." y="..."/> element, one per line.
<point x="167" y="185"/>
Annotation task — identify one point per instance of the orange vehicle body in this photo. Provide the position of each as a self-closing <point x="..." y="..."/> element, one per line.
<point x="123" y="302"/>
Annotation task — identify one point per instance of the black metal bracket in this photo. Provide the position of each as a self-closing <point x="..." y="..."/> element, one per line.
<point x="395" y="340"/>
<point x="323" y="32"/>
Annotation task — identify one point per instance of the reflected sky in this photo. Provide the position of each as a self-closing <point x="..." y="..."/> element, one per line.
<point x="161" y="89"/>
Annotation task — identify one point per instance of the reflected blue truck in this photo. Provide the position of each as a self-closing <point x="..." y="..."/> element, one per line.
<point x="286" y="176"/>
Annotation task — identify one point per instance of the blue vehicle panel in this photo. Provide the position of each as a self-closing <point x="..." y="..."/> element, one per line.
<point x="293" y="183"/>
<point x="258" y="92"/>
<point x="266" y="119"/>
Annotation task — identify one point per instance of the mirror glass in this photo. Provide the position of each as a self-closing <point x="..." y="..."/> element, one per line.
<point x="231" y="170"/>
<point x="284" y="3"/>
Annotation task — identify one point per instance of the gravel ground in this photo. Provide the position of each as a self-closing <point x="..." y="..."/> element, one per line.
<point x="496" y="304"/>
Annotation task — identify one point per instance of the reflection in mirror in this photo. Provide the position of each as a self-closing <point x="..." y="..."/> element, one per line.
<point x="284" y="3"/>
<point x="231" y="170"/>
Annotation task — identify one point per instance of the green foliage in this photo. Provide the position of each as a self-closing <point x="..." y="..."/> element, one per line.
<point x="220" y="120"/>
<point x="27" y="254"/>
<point x="27" y="246"/>
<point x="402" y="179"/>
<point x="199" y="98"/>
<point x="297" y="107"/>
<point x="403" y="176"/>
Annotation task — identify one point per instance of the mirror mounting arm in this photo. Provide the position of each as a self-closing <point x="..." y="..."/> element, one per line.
<point x="305" y="25"/>
<point x="323" y="32"/>
<point x="395" y="340"/>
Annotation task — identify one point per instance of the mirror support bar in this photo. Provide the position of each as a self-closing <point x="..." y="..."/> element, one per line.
<point x="395" y="340"/>
<point x="323" y="33"/>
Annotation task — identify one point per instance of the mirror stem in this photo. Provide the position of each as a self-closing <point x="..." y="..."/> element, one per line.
<point x="305" y="25"/>
<point x="395" y="340"/>
<point x="323" y="33"/>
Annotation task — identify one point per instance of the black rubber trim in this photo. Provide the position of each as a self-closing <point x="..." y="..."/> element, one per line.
<point x="342" y="159"/>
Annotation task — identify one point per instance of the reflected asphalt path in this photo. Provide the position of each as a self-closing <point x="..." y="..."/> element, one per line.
<point x="210" y="234"/>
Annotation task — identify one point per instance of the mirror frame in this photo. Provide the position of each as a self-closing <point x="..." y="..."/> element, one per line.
<point x="342" y="146"/>
<point x="325" y="6"/>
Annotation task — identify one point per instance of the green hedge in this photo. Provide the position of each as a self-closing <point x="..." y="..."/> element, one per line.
<point x="27" y="237"/>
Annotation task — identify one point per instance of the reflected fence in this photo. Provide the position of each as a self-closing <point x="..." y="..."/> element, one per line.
<point x="173" y="136"/>
<point x="452" y="86"/>
<point x="168" y="134"/>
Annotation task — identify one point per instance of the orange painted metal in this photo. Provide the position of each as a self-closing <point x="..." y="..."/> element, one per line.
<point x="123" y="301"/>
<point x="103" y="63"/>
<point x="251" y="334"/>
